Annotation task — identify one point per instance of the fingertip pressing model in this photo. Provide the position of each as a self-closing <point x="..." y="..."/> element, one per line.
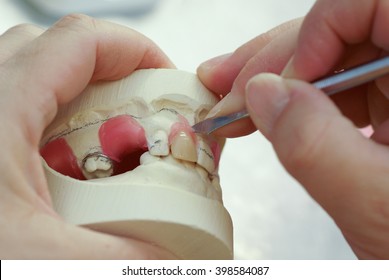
<point x="123" y="159"/>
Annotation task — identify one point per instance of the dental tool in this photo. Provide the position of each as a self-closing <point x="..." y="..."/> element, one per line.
<point x="330" y="85"/>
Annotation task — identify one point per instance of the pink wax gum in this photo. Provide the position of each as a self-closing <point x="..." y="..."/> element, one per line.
<point x="60" y="157"/>
<point x="120" y="136"/>
<point x="216" y="149"/>
<point x="181" y="126"/>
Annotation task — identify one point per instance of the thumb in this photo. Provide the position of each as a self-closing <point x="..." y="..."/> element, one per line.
<point x="343" y="171"/>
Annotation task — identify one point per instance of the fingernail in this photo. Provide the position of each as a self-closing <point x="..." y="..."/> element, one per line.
<point x="288" y="71"/>
<point x="213" y="62"/>
<point x="232" y="102"/>
<point x="266" y="97"/>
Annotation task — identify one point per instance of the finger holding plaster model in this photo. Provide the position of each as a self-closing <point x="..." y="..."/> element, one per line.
<point x="122" y="158"/>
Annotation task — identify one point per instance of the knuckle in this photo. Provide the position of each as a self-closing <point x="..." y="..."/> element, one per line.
<point x="76" y="21"/>
<point x="15" y="38"/>
<point x="25" y="29"/>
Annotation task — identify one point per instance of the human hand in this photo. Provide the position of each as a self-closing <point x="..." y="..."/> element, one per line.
<point x="40" y="70"/>
<point x="227" y="75"/>
<point x="316" y="140"/>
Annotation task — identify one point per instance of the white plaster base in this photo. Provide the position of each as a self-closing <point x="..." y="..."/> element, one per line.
<point x="188" y="225"/>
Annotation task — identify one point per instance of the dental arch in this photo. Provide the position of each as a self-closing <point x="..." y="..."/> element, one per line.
<point x="171" y="157"/>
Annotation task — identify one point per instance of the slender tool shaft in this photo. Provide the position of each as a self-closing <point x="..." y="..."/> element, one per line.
<point x="330" y="85"/>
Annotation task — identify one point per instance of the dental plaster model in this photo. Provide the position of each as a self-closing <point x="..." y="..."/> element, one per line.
<point x="122" y="159"/>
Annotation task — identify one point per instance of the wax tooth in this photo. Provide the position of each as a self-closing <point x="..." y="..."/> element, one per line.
<point x="205" y="156"/>
<point x="158" y="143"/>
<point x="97" y="166"/>
<point x="183" y="147"/>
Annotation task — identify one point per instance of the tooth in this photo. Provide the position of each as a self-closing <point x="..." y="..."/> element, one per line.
<point x="158" y="143"/>
<point x="183" y="147"/>
<point x="97" y="166"/>
<point x="147" y="158"/>
<point x="205" y="156"/>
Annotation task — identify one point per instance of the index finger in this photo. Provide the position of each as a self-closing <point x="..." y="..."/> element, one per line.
<point x="329" y="28"/>
<point x="59" y="64"/>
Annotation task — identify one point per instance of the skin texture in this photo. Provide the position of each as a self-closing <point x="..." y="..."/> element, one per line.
<point x="39" y="70"/>
<point x="315" y="137"/>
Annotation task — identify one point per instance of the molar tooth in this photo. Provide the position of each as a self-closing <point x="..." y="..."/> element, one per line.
<point x="205" y="156"/>
<point x="97" y="166"/>
<point x="158" y="144"/>
<point x="183" y="147"/>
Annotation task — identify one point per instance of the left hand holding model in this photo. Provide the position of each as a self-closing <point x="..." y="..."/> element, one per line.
<point x="39" y="70"/>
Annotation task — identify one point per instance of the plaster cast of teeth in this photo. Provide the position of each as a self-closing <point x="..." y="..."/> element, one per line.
<point x="148" y="158"/>
<point x="165" y="201"/>
<point x="97" y="165"/>
<point x="205" y="156"/>
<point x="183" y="106"/>
<point x="158" y="143"/>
